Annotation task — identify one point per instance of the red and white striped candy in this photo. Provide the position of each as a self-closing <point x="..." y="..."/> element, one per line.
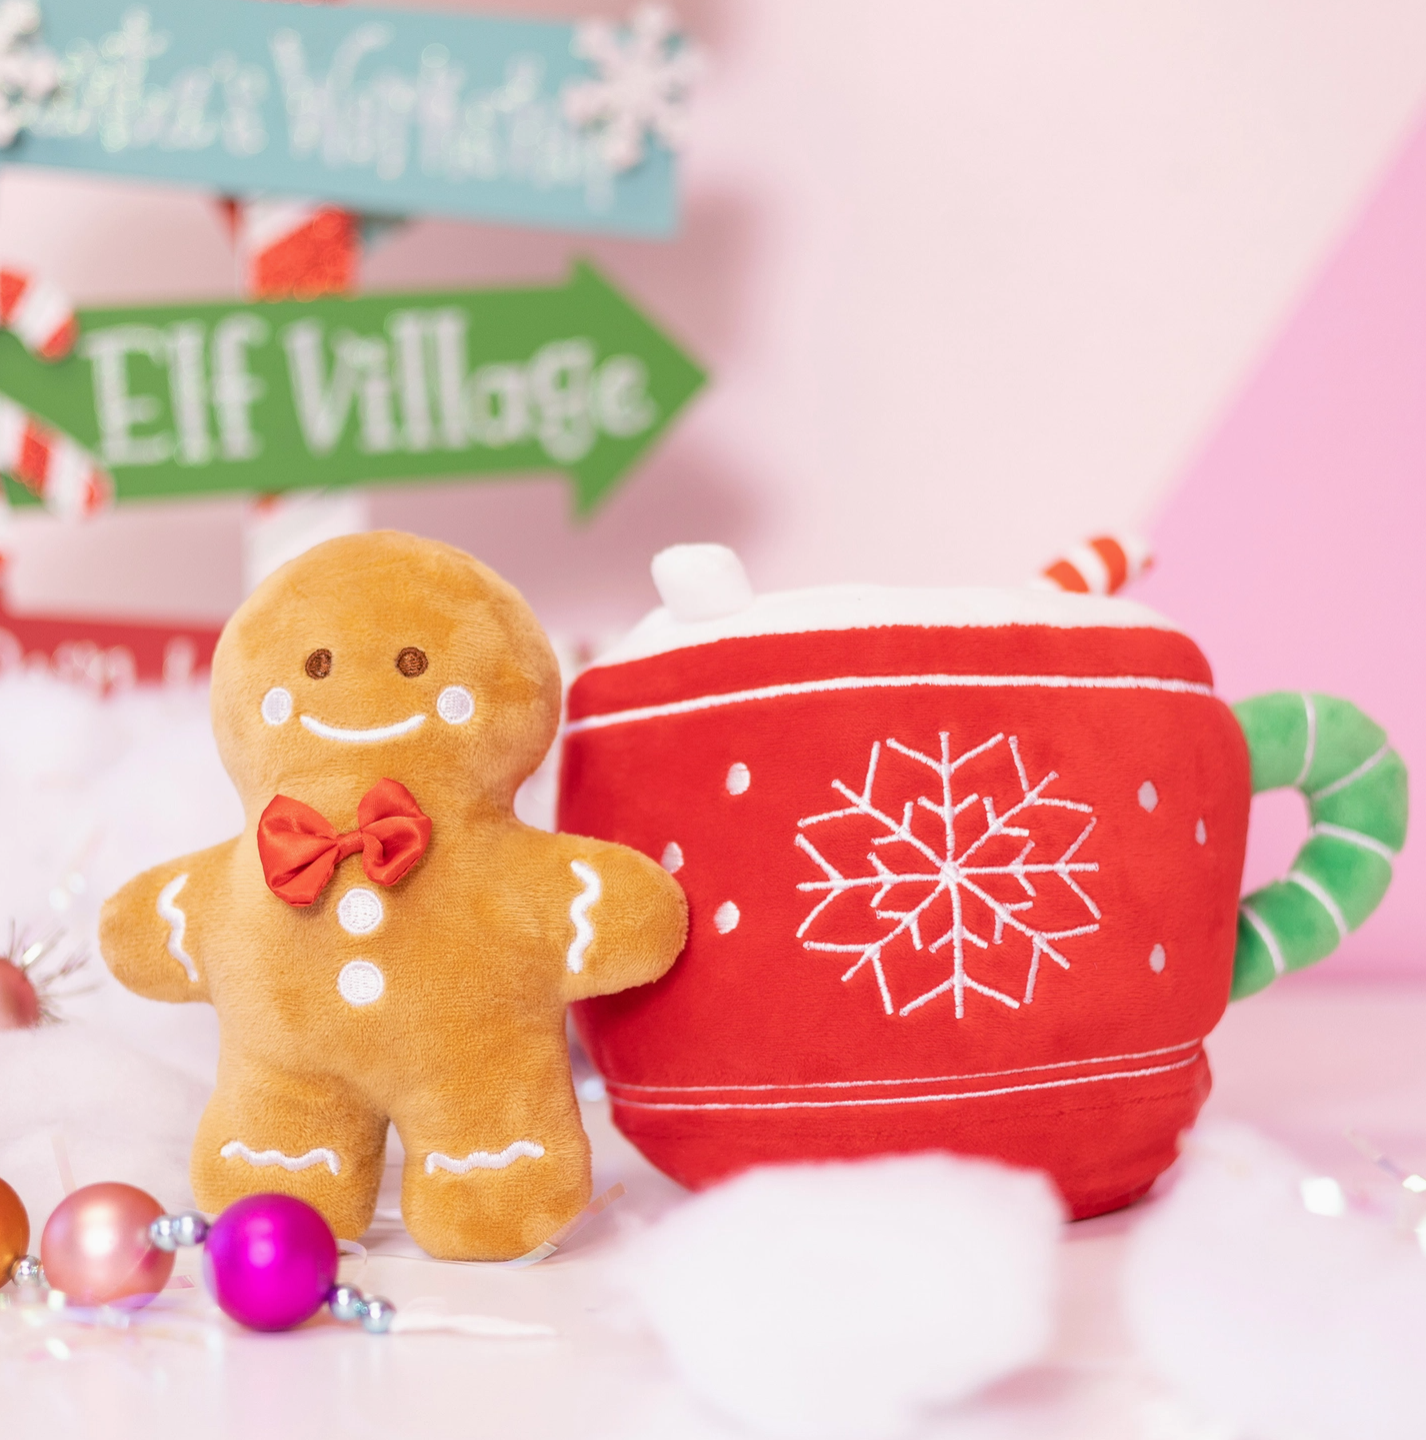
<point x="52" y="464"/>
<point x="1100" y="566"/>
<point x="39" y="313"/>
<point x="295" y="248"/>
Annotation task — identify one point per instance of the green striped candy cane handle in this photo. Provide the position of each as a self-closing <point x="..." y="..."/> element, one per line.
<point x="1355" y="786"/>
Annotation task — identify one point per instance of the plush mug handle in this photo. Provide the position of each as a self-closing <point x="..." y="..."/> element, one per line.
<point x="1355" y="786"/>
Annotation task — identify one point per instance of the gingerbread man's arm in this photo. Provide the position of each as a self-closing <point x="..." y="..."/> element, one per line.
<point x="622" y="918"/>
<point x="145" y="930"/>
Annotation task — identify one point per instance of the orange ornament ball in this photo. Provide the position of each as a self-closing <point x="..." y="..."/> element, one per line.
<point x="14" y="1231"/>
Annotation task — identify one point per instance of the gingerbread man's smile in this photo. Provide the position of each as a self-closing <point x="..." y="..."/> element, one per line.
<point x="455" y="705"/>
<point x="362" y="737"/>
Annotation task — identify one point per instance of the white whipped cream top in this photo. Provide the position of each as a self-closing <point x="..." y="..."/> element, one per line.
<point x="855" y="607"/>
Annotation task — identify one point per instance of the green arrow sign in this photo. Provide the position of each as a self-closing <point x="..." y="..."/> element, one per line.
<point x="195" y="399"/>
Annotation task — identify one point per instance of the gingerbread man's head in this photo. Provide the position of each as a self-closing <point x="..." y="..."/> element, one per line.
<point x="383" y="654"/>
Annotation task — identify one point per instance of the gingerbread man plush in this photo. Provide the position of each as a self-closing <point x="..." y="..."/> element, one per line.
<point x="385" y="940"/>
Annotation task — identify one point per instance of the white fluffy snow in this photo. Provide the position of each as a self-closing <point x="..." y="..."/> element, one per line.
<point x="841" y="1301"/>
<point x="96" y="789"/>
<point x="115" y="1113"/>
<point x="1274" y="1306"/>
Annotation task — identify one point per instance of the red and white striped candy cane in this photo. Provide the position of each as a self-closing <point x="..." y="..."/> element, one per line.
<point x="1100" y="566"/>
<point x="294" y="248"/>
<point x="38" y="312"/>
<point x="56" y="467"/>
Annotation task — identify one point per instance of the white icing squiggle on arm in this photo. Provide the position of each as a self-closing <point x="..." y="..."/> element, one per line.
<point x="579" y="914"/>
<point x="486" y="1159"/>
<point x="236" y="1150"/>
<point x="177" y="924"/>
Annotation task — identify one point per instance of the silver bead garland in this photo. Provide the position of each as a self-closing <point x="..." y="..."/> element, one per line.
<point x="169" y="1232"/>
<point x="27" y="1270"/>
<point x="347" y="1303"/>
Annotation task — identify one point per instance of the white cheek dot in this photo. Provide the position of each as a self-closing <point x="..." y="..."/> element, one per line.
<point x="277" y="705"/>
<point x="1200" y="833"/>
<point x="672" y="860"/>
<point x="361" y="983"/>
<point x="1158" y="959"/>
<point x="359" y="911"/>
<point x="726" y="917"/>
<point x="739" y="778"/>
<point x="455" y="704"/>
<point x="1148" y="796"/>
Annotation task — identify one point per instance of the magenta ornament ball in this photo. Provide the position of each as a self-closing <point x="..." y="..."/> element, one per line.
<point x="270" y="1262"/>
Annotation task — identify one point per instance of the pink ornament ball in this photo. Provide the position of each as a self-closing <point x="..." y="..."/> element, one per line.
<point x="96" y="1247"/>
<point x="270" y="1262"/>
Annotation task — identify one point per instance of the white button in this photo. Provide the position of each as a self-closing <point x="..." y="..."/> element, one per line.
<point x="1200" y="833"/>
<point x="726" y="917"/>
<point x="739" y="778"/>
<point x="276" y="705"/>
<point x="455" y="705"/>
<point x="1157" y="959"/>
<point x="672" y="857"/>
<point x="359" y="911"/>
<point x="360" y="982"/>
<point x="1148" y="796"/>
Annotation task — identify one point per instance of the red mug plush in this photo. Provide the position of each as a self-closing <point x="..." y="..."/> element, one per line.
<point x="962" y="866"/>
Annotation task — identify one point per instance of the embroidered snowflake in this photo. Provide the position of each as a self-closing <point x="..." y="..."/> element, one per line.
<point x="969" y="867"/>
<point x="28" y="71"/>
<point x="645" y="76"/>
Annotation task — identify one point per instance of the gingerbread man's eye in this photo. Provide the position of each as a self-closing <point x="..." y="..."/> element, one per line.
<point x="319" y="664"/>
<point x="412" y="662"/>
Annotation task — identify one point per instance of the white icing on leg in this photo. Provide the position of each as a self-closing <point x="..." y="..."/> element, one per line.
<point x="177" y="924"/>
<point x="485" y="1159"/>
<point x="579" y="914"/>
<point x="236" y="1150"/>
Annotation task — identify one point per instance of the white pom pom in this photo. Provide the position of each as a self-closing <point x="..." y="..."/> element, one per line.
<point x="119" y="1114"/>
<point x="701" y="582"/>
<point x="1254" y="1290"/>
<point x="95" y="790"/>
<point x="840" y="1300"/>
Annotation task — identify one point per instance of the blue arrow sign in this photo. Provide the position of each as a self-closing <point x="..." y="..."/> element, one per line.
<point x="394" y="112"/>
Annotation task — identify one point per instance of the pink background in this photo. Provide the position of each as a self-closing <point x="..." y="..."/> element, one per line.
<point x="974" y="281"/>
<point x="1292" y="548"/>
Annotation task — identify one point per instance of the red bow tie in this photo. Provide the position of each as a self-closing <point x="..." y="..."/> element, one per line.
<point x="300" y="850"/>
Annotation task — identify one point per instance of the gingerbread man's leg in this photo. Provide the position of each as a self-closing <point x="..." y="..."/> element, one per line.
<point x="491" y="1174"/>
<point x="310" y="1136"/>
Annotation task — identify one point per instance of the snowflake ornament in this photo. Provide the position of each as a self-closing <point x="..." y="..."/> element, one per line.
<point x="970" y="868"/>
<point x="646" y="75"/>
<point x="28" y="71"/>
